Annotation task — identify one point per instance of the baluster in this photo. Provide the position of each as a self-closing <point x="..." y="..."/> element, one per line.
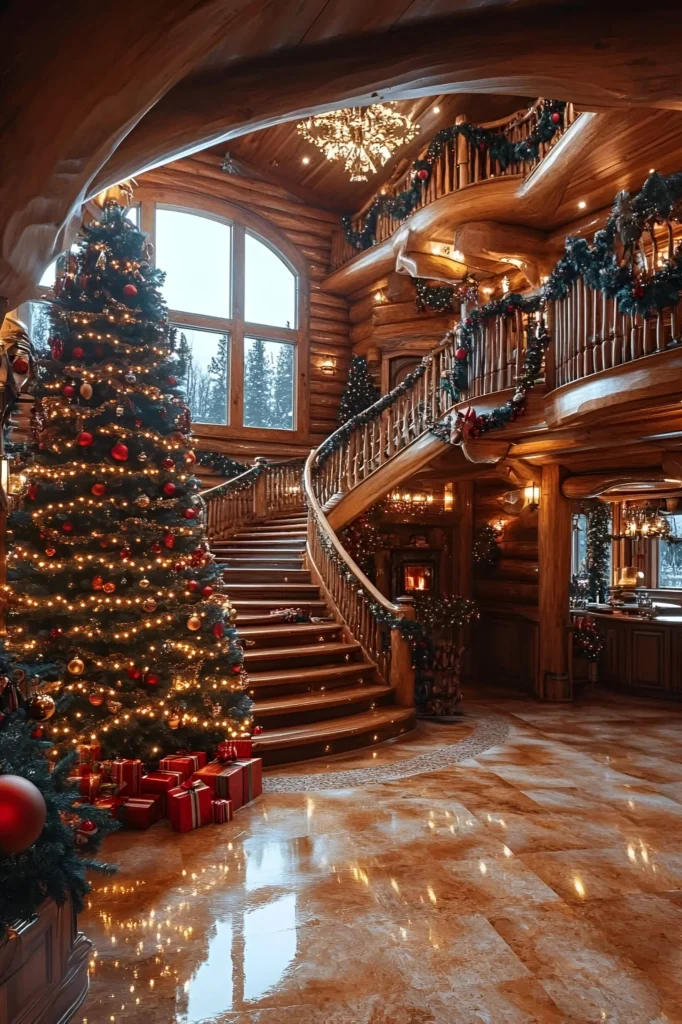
<point x="616" y="355"/>
<point x="673" y="323"/>
<point x="463" y="158"/>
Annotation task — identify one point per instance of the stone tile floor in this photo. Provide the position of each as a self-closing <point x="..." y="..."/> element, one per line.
<point x="537" y="881"/>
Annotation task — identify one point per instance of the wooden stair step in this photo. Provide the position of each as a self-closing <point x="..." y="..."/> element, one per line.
<point x="292" y="632"/>
<point x="299" y="703"/>
<point x="314" y="607"/>
<point x="329" y="652"/>
<point x="264" y="538"/>
<point x="265" y="619"/>
<point x="270" y="575"/>
<point x="305" y="679"/>
<point x="272" y="531"/>
<point x="260" y="545"/>
<point x="232" y="562"/>
<point x="278" y="591"/>
<point x="314" y="739"/>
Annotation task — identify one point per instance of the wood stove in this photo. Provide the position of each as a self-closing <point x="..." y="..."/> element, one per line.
<point x="414" y="570"/>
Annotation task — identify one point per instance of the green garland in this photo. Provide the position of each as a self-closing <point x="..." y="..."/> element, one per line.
<point x="485" y="550"/>
<point x="222" y="464"/>
<point x="598" y="515"/>
<point x="550" y="121"/>
<point x="239" y="483"/>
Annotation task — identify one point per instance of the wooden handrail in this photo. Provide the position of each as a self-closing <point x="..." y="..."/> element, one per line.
<point x="261" y="490"/>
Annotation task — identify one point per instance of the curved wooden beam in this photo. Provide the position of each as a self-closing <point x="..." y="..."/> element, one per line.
<point x="579" y="53"/>
<point x="594" y="485"/>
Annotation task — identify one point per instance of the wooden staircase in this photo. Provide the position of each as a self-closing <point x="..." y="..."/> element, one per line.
<point x="315" y="691"/>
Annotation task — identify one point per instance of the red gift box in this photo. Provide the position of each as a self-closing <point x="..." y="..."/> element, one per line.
<point x="162" y="783"/>
<point x="187" y="763"/>
<point x="108" y="803"/>
<point x="127" y="774"/>
<point x="221" y="811"/>
<point x="189" y="806"/>
<point x="140" y="811"/>
<point x="224" y="780"/>
<point x="88" y="785"/>
<point x="252" y="777"/>
<point x="88" y="752"/>
<point x="244" y="748"/>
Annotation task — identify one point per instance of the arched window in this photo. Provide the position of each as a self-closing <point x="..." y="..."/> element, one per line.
<point x="234" y="300"/>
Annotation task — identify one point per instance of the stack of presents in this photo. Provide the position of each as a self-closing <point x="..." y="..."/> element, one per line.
<point x="185" y="789"/>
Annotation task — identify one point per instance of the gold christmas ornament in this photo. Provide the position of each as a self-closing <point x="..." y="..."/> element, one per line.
<point x="144" y="583"/>
<point x="40" y="706"/>
<point x="76" y="667"/>
<point x="144" y="501"/>
<point x="194" y="623"/>
<point x="86" y="391"/>
<point x="109" y="587"/>
<point x="149" y="605"/>
<point x="114" y="706"/>
<point x="173" y="720"/>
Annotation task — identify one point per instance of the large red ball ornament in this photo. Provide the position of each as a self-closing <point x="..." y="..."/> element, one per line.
<point x="190" y="513"/>
<point x="97" y="583"/>
<point x="151" y="679"/>
<point x="68" y="391"/>
<point x="134" y="673"/>
<point x="236" y="668"/>
<point x="50" y="552"/>
<point x="67" y="527"/>
<point x="77" y="352"/>
<point x="556" y="117"/>
<point x="126" y="553"/>
<point x="169" y="488"/>
<point x="22" y="814"/>
<point x="84" y="439"/>
<point x="172" y="381"/>
<point x="179" y="566"/>
<point x="20" y="365"/>
<point x="169" y="540"/>
<point x="168" y="463"/>
<point x="98" y="490"/>
<point x="129" y="289"/>
<point x="156" y="548"/>
<point x="33" y="492"/>
<point x="120" y="451"/>
<point x="461" y="354"/>
<point x="206" y="591"/>
<point x="422" y="174"/>
<point x="218" y="630"/>
<point x="96" y="699"/>
<point x="193" y="585"/>
<point x="56" y="632"/>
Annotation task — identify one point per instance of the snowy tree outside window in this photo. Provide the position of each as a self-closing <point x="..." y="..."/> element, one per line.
<point x="670" y="555"/>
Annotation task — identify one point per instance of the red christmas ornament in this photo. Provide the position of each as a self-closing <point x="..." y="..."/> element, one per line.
<point x="68" y="391"/>
<point x="104" y="543"/>
<point x="96" y="699"/>
<point x="179" y="566"/>
<point x="22" y="814"/>
<point x="638" y="291"/>
<point x="169" y="540"/>
<point x="33" y="492"/>
<point x="129" y="289"/>
<point x="134" y="673"/>
<point x="236" y="668"/>
<point x="77" y="352"/>
<point x="257" y="730"/>
<point x="67" y="527"/>
<point x="511" y="309"/>
<point x="556" y="117"/>
<point x="120" y="451"/>
<point x="169" y="488"/>
<point x="138" y="423"/>
<point x="172" y="381"/>
<point x="97" y="583"/>
<point x="20" y="365"/>
<point x="56" y="347"/>
<point x="193" y="585"/>
<point x="50" y="552"/>
<point x="126" y="553"/>
<point x="168" y="463"/>
<point x="191" y="513"/>
<point x="461" y="354"/>
<point x="56" y="632"/>
<point x="218" y="630"/>
<point x="156" y="548"/>
<point x="206" y="591"/>
<point x="151" y="679"/>
<point x="190" y="457"/>
<point x="87" y="827"/>
<point x="84" y="439"/>
<point x="422" y="174"/>
<point x="37" y="733"/>
<point x="98" y="490"/>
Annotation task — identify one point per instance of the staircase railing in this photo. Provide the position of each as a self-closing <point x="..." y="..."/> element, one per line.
<point x="459" y="164"/>
<point x="373" y="620"/>
<point x="263" y="489"/>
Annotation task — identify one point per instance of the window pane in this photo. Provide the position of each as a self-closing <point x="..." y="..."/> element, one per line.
<point x="268" y="384"/>
<point x="39" y="327"/>
<point x="207" y="367"/>
<point x="579" y="555"/>
<point x="270" y="287"/>
<point x="195" y="253"/>
<point x="50" y="272"/>
<point x="670" y="555"/>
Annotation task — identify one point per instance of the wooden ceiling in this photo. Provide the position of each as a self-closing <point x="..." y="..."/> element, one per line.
<point x="101" y="91"/>
<point x="279" y="151"/>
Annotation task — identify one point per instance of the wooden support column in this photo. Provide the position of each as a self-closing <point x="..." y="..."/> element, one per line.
<point x="554" y="550"/>
<point x="464" y="540"/>
<point x="260" y="501"/>
<point x="402" y="673"/>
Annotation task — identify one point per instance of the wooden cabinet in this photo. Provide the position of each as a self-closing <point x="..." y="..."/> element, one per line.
<point x="642" y="656"/>
<point x="649" y="657"/>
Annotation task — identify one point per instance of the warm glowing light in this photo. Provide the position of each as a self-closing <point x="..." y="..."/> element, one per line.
<point x="436" y="110"/>
<point x="582" y="204"/>
<point x="364" y="138"/>
<point x="305" y="160"/>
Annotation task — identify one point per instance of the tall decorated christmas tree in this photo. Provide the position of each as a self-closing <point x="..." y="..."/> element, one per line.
<point x="109" y="565"/>
<point x="361" y="391"/>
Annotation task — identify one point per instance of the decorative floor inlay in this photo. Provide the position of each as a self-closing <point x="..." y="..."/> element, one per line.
<point x="488" y="731"/>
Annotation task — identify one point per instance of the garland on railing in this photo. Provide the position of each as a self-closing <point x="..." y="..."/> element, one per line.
<point x="337" y="439"/>
<point x="550" y="121"/>
<point x="221" y="464"/>
<point x="238" y="484"/>
<point x="442" y="298"/>
<point x="598" y="514"/>
<point x="445" y="610"/>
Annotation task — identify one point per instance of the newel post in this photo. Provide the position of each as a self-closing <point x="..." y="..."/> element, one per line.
<point x="402" y="673"/>
<point x="260" y="500"/>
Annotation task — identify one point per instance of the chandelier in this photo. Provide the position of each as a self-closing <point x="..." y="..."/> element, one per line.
<point x="642" y="521"/>
<point x="363" y="137"/>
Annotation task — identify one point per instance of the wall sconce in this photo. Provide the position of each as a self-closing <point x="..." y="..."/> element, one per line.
<point x="379" y="297"/>
<point x="448" y="498"/>
<point x="328" y="366"/>
<point x="505" y="285"/>
<point x="532" y="495"/>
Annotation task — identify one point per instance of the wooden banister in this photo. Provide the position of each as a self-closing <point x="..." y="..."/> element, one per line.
<point x="261" y="490"/>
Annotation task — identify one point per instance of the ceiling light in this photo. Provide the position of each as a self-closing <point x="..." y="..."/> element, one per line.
<point x="363" y="137"/>
<point x="436" y="110"/>
<point x="582" y="204"/>
<point x="305" y="160"/>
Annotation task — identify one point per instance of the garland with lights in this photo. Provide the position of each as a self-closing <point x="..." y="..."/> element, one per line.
<point x="500" y="148"/>
<point x="442" y="298"/>
<point x="446" y="610"/>
<point x="109" y="571"/>
<point x="221" y="464"/>
<point x="598" y="514"/>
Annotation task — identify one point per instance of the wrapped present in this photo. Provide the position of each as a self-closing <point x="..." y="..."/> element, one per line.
<point x="226" y="751"/>
<point x="108" y="803"/>
<point x="88" y="768"/>
<point x="252" y="777"/>
<point x="224" y="780"/>
<point x="221" y="811"/>
<point x="162" y="783"/>
<point x="87" y="785"/>
<point x="140" y="811"/>
<point x="243" y="748"/>
<point x="89" y="752"/>
<point x="127" y="774"/>
<point x="185" y="762"/>
<point x="189" y="806"/>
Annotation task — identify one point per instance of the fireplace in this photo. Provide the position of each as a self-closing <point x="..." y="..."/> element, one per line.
<point x="414" y="571"/>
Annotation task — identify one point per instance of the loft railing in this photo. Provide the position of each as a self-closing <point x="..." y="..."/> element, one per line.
<point x="370" y="617"/>
<point x="459" y="164"/>
<point x="262" y="490"/>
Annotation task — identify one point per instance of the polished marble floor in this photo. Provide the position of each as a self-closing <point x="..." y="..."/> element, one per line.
<point x="537" y="881"/>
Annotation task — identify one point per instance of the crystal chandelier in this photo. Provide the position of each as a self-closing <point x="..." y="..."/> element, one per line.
<point x="363" y="137"/>
<point x="644" y="521"/>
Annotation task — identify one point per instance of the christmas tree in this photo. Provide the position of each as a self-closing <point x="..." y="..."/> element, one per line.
<point x="109" y="565"/>
<point x="360" y="393"/>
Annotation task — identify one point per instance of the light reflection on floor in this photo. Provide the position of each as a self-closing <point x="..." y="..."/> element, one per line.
<point x="539" y="883"/>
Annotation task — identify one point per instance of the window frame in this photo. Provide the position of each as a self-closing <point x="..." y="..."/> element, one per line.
<point x="241" y="221"/>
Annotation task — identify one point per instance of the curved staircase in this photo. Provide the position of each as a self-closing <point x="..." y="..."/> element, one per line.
<point x="315" y="690"/>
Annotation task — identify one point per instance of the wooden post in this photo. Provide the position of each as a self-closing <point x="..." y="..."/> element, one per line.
<point x="554" y="551"/>
<point x="402" y="673"/>
<point x="260" y="501"/>
<point x="462" y="172"/>
<point x="464" y="507"/>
